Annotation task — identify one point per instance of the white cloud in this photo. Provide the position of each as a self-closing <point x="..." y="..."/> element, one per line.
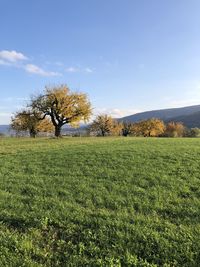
<point x="76" y="69"/>
<point x="31" y="68"/>
<point x="72" y="69"/>
<point x="115" y="112"/>
<point x="88" y="70"/>
<point x="11" y="56"/>
<point x="55" y="63"/>
<point x="16" y="59"/>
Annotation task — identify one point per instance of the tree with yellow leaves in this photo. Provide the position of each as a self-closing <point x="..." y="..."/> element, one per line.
<point x="28" y="120"/>
<point x="148" y="128"/>
<point x="116" y="128"/>
<point x="175" y="129"/>
<point x="102" y="125"/>
<point x="62" y="106"/>
<point x="105" y="125"/>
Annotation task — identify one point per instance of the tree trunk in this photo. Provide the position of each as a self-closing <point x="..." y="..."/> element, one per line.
<point x="124" y="133"/>
<point x="58" y="131"/>
<point x="32" y="133"/>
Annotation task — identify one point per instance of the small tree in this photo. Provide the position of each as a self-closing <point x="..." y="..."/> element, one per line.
<point x="116" y="128"/>
<point x="194" y="132"/>
<point x="102" y="125"/>
<point x="153" y="127"/>
<point x="127" y="128"/>
<point x="175" y="129"/>
<point x="62" y="106"/>
<point x="148" y="128"/>
<point x="28" y="120"/>
<point x="137" y="129"/>
<point x="25" y="121"/>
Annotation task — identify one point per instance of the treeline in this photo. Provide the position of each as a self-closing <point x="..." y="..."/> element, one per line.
<point x="57" y="106"/>
<point x="105" y="125"/>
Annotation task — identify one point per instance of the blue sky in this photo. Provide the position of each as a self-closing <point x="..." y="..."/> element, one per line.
<point x="128" y="55"/>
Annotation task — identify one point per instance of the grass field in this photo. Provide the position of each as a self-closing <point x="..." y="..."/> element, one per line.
<point x="99" y="202"/>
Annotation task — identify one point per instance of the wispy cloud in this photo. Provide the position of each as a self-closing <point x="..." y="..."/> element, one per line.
<point x="72" y="69"/>
<point x="16" y="59"/>
<point x="78" y="69"/>
<point x="115" y="112"/>
<point x="7" y="57"/>
<point x="54" y="63"/>
<point x="88" y="70"/>
<point x="19" y="60"/>
<point x="31" y="68"/>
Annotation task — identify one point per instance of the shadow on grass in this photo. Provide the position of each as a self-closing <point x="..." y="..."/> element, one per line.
<point x="19" y="224"/>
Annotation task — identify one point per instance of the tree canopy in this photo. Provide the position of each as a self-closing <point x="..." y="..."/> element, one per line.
<point x="102" y="125"/>
<point x="28" y="120"/>
<point x="62" y="106"/>
<point x="105" y="125"/>
<point x="175" y="129"/>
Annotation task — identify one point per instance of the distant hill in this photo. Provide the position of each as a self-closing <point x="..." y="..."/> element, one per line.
<point x="4" y="129"/>
<point x="66" y="130"/>
<point x="191" y="121"/>
<point x="190" y="116"/>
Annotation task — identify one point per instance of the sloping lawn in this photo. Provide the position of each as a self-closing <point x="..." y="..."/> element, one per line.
<point x="99" y="202"/>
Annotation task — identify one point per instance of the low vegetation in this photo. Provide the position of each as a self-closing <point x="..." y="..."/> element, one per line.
<point x="99" y="202"/>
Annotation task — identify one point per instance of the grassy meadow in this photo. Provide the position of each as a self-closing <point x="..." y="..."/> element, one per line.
<point x="99" y="202"/>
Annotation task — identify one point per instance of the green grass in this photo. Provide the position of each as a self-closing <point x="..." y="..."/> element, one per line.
<point x="99" y="202"/>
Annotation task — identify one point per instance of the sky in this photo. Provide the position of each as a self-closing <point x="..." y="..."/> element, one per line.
<point x="127" y="55"/>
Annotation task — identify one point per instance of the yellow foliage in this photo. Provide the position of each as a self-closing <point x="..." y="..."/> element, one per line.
<point x="175" y="129"/>
<point x="149" y="128"/>
<point x="106" y="125"/>
<point x="116" y="128"/>
<point x="63" y="106"/>
<point x="28" y="120"/>
<point x="102" y="125"/>
<point x="70" y="106"/>
<point x="45" y="126"/>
